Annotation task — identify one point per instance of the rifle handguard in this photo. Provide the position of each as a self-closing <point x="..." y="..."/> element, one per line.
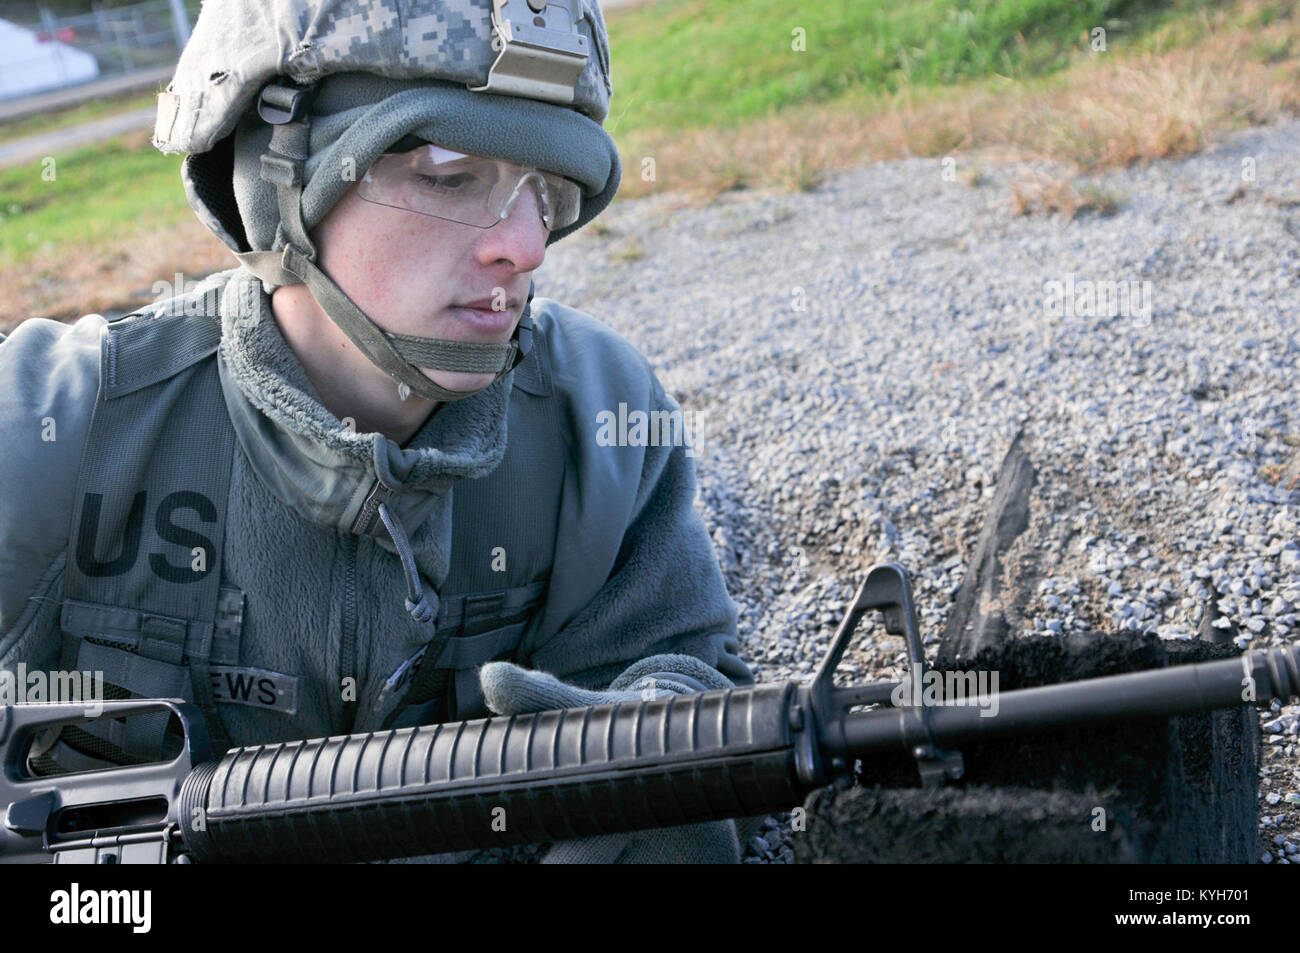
<point x="497" y="781"/>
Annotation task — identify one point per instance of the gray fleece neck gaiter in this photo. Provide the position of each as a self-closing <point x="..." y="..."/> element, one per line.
<point x="323" y="470"/>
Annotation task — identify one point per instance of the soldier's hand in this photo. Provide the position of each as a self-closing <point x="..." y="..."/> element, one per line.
<point x="510" y="689"/>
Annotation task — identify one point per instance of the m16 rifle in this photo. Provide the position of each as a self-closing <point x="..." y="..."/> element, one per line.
<point x="557" y="775"/>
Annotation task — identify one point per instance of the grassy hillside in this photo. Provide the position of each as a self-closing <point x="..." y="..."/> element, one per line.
<point x="698" y="62"/>
<point x="711" y="95"/>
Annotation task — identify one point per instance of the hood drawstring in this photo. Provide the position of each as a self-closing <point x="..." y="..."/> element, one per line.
<point x="417" y="603"/>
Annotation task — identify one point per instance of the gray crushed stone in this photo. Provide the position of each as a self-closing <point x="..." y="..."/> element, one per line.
<point x="860" y="357"/>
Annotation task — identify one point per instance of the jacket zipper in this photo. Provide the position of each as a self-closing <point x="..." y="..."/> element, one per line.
<point x="348" y="649"/>
<point x="379" y="493"/>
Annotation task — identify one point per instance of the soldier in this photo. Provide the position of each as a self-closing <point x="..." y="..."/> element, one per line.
<point x="288" y="495"/>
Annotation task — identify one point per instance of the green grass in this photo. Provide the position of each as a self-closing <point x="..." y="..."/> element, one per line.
<point x="630" y="251"/>
<point x="684" y="63"/>
<point x="99" y="194"/>
<point x="1179" y="26"/>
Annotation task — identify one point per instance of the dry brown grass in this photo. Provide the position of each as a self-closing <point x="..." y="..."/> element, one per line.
<point x="1040" y="193"/>
<point x="1109" y="110"/>
<point x="65" y="286"/>
<point x="1287" y="473"/>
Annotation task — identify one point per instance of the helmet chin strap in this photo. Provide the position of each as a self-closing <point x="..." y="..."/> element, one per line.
<point x="401" y="356"/>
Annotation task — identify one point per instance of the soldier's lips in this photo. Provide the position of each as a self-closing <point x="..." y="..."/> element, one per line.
<point x="485" y="320"/>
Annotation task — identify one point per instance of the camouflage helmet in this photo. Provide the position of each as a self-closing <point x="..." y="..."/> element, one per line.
<point x="522" y="80"/>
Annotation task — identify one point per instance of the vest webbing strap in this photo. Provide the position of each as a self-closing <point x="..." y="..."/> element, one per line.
<point x="148" y="527"/>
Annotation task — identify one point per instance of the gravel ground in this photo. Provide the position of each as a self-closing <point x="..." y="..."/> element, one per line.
<point x="861" y="356"/>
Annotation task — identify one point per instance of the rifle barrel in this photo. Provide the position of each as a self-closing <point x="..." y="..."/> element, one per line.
<point x="1178" y="690"/>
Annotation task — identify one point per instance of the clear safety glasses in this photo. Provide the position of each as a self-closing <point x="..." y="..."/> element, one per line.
<point x="471" y="190"/>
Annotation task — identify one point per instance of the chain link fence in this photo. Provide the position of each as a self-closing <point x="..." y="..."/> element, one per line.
<point x="56" y="51"/>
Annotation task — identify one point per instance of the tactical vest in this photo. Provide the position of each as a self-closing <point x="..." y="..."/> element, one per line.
<point x="153" y="613"/>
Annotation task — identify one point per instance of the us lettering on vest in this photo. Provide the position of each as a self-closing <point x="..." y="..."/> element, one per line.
<point x="196" y="548"/>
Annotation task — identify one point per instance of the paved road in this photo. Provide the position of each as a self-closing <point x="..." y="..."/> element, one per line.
<point x="157" y="77"/>
<point x="34" y="148"/>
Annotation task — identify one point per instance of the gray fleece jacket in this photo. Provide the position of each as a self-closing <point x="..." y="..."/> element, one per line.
<point x="501" y="497"/>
